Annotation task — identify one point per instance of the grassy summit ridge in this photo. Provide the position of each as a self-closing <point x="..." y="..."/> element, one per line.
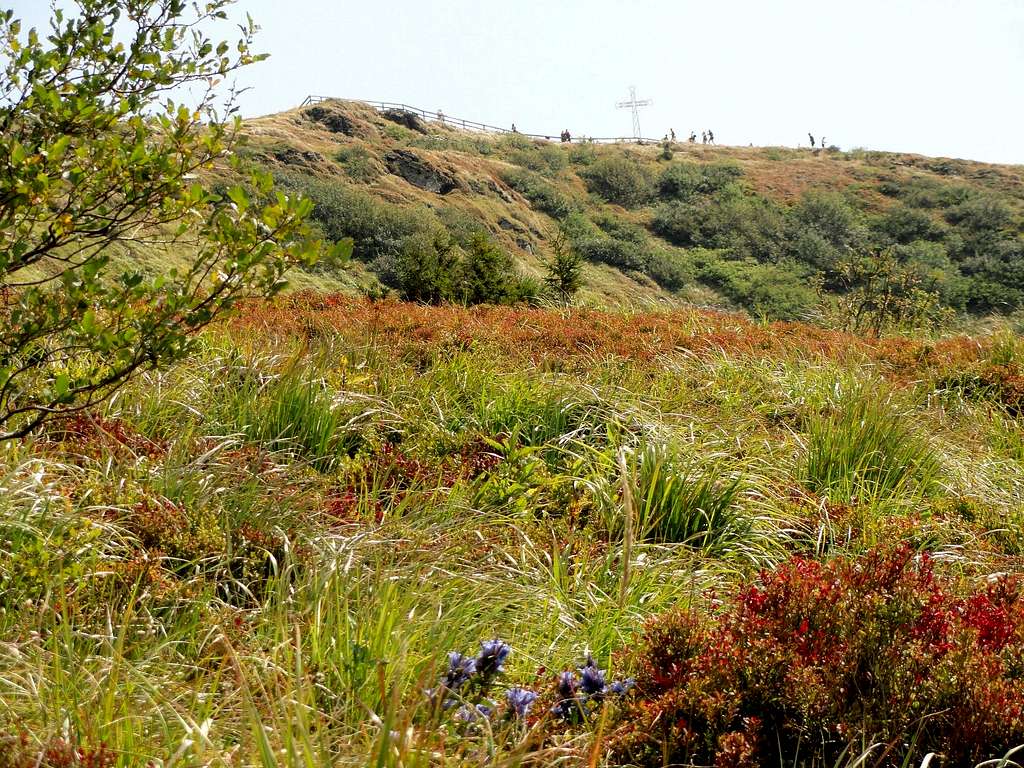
<point x="750" y="228"/>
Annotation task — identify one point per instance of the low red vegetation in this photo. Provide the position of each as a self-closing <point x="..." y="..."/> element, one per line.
<point x="546" y="335"/>
<point x="882" y="648"/>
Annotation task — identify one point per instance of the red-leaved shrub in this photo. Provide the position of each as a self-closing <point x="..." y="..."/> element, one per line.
<point x="816" y="656"/>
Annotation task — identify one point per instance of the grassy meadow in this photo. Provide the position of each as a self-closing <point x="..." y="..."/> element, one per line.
<point x="264" y="555"/>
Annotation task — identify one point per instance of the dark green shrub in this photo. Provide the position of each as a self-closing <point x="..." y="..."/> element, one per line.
<point x="924" y="192"/>
<point x="780" y="291"/>
<point x="546" y="159"/>
<point x="427" y="268"/>
<point x="682" y="223"/>
<point x="620" y="229"/>
<point x="617" y="253"/>
<point x="619" y="180"/>
<point x="682" y="181"/>
<point x="576" y="226"/>
<point x="903" y="225"/>
<point x="582" y="154"/>
<point x="981" y="222"/>
<point x="671" y="270"/>
<point x="829" y="216"/>
<point x="935" y="271"/>
<point x="488" y="274"/>
<point x="359" y="164"/>
<point x="377" y="227"/>
<point x="996" y="279"/>
<point x="748" y="226"/>
<point x="542" y="195"/>
<point x="811" y="248"/>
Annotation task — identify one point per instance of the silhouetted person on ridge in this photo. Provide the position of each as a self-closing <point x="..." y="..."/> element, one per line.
<point x="514" y="128"/>
<point x="693" y="137"/>
<point x="672" y="131"/>
<point x="809" y="136"/>
<point x="823" y="145"/>
<point x="711" y="137"/>
<point x="704" y="137"/>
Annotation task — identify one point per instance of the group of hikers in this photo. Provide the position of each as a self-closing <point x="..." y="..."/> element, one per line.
<point x="706" y="137"/>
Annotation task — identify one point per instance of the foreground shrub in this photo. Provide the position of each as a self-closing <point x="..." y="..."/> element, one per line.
<point x="816" y="658"/>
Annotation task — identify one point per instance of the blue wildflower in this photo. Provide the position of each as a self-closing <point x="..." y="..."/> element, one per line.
<point x="569" y="707"/>
<point x="520" y="700"/>
<point x="470" y="714"/>
<point x="567" y="685"/>
<point x="592" y="679"/>
<point x="460" y="669"/>
<point x="492" y="657"/>
<point x="620" y="688"/>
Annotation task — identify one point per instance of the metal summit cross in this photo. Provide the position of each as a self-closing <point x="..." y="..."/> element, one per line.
<point x="634" y="104"/>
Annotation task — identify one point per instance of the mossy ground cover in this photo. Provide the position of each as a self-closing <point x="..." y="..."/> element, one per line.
<point x="264" y="555"/>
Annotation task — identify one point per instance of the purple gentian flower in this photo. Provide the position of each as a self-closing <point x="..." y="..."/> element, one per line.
<point x="569" y="706"/>
<point x="468" y="714"/>
<point x="460" y="669"/>
<point x="492" y="657"/>
<point x="620" y="688"/>
<point x="592" y="679"/>
<point x="520" y="700"/>
<point x="567" y="685"/>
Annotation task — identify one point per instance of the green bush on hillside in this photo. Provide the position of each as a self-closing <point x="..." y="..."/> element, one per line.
<point x="359" y="164"/>
<point x="617" y="253"/>
<point x="775" y="291"/>
<point x="619" y="180"/>
<point x="546" y="159"/>
<point x="541" y="194"/>
<point x="683" y="181"/>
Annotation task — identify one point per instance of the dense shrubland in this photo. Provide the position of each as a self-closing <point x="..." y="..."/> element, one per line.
<point x="708" y="223"/>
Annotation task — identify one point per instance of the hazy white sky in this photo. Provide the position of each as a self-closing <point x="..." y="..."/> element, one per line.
<point x="939" y="77"/>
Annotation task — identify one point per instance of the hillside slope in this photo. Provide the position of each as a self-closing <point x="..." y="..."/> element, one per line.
<point x="725" y="226"/>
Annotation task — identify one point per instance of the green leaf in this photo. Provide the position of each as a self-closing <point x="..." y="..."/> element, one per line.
<point x="237" y="195"/>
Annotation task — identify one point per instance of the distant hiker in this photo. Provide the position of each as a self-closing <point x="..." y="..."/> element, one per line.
<point x="693" y="137"/>
<point x="812" y="140"/>
<point x="823" y="144"/>
<point x="711" y="137"/>
<point x="704" y="137"/>
<point x="514" y="128"/>
<point x="440" y="116"/>
<point x="672" y="132"/>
